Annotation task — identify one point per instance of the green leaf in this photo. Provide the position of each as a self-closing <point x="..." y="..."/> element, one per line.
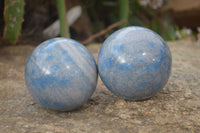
<point x="13" y="15"/>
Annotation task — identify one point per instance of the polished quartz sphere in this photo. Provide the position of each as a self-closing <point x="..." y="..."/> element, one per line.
<point x="134" y="63"/>
<point x="61" y="74"/>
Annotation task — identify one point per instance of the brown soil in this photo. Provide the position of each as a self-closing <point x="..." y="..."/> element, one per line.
<point x="175" y="109"/>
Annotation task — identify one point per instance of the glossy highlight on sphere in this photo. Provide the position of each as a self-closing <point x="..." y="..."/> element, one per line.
<point x="61" y="74"/>
<point x="134" y="63"/>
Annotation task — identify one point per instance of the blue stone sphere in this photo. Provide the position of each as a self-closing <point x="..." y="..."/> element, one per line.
<point x="61" y="74"/>
<point x="134" y="63"/>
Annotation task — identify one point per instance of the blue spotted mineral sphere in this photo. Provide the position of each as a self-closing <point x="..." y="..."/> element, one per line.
<point x="134" y="63"/>
<point x="61" y="74"/>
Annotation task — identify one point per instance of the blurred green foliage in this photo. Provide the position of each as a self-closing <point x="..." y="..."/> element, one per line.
<point x="106" y="12"/>
<point x="153" y="19"/>
<point x="101" y="13"/>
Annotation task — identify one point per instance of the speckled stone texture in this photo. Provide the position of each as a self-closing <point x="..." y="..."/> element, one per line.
<point x="61" y="74"/>
<point x="134" y="63"/>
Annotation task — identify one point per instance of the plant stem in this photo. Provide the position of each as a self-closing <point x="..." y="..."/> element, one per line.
<point x="64" y="27"/>
<point x="124" y="11"/>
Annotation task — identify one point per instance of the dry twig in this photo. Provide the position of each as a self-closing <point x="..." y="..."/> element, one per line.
<point x="104" y="31"/>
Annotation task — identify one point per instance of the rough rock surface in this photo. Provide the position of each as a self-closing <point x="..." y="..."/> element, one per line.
<point x="174" y="109"/>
